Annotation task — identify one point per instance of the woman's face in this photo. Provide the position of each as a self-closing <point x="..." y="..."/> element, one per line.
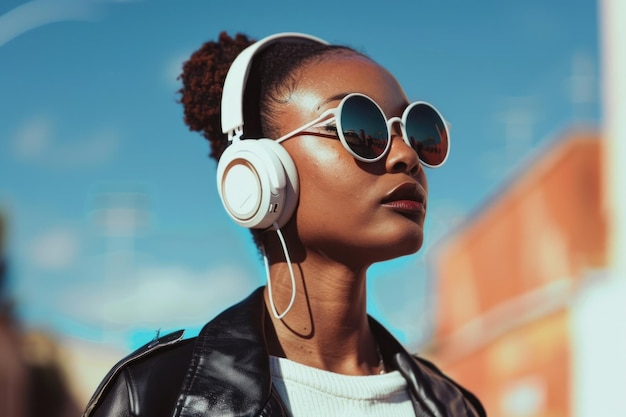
<point x="355" y="212"/>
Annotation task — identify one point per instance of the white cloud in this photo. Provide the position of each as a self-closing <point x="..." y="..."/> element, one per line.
<point x="35" y="142"/>
<point x="33" y="138"/>
<point x="162" y="296"/>
<point x="55" y="249"/>
<point x="96" y="149"/>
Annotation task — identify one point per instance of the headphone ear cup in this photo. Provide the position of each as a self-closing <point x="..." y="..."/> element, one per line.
<point x="257" y="183"/>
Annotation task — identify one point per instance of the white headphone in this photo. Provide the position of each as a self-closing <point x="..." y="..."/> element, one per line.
<point x="256" y="178"/>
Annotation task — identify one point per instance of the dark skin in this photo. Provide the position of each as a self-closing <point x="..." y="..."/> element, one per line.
<point x="345" y="221"/>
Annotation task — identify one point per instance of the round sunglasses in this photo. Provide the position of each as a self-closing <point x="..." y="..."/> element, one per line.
<point x="365" y="131"/>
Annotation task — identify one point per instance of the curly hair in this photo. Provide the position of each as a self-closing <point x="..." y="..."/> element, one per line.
<point x="203" y="78"/>
<point x="272" y="77"/>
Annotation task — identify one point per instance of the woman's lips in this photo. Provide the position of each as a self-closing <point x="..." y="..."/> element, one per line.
<point x="405" y="205"/>
<point x="411" y="209"/>
<point x="407" y="199"/>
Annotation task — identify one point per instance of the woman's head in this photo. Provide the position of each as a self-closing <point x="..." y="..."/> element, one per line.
<point x="348" y="208"/>
<point x="371" y="211"/>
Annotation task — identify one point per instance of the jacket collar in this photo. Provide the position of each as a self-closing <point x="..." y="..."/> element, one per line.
<point x="229" y="371"/>
<point x="432" y="393"/>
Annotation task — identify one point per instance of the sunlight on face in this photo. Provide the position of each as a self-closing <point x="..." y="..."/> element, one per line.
<point x="306" y="100"/>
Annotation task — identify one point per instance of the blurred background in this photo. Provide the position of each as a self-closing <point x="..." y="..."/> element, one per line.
<point x="112" y="230"/>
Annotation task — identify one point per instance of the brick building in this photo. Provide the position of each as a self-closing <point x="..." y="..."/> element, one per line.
<point x="511" y="283"/>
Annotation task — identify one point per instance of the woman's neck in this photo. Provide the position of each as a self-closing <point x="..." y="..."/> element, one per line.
<point x="327" y="327"/>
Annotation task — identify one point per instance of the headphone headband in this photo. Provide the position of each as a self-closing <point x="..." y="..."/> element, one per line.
<point x="234" y="85"/>
<point x="257" y="180"/>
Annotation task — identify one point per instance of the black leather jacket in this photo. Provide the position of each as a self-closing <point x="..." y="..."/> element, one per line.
<point x="224" y="371"/>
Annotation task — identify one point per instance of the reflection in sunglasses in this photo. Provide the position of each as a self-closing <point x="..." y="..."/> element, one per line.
<point x="363" y="143"/>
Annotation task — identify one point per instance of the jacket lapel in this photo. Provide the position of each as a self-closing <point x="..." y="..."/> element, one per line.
<point x="433" y="394"/>
<point x="229" y="371"/>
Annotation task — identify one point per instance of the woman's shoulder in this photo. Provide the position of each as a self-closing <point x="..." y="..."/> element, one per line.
<point x="130" y="389"/>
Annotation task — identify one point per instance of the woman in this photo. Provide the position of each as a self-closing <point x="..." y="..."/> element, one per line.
<point x="339" y="186"/>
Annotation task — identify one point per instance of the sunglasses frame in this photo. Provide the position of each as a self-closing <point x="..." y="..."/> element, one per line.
<point x="335" y="114"/>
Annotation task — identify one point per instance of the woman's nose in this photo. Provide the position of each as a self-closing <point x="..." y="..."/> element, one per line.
<point x="402" y="157"/>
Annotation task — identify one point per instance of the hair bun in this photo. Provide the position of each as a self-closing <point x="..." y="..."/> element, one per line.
<point x="203" y="78"/>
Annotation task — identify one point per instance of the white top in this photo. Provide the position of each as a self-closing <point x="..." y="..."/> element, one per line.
<point x="308" y="391"/>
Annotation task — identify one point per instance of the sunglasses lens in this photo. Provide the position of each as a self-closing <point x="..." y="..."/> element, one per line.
<point x="364" y="127"/>
<point x="427" y="134"/>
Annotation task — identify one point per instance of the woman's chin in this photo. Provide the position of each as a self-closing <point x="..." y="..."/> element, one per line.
<point x="400" y="248"/>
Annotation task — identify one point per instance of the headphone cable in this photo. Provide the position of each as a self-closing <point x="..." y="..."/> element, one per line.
<point x="269" y="280"/>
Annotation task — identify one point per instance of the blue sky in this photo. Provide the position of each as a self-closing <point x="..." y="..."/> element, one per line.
<point x="115" y="226"/>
